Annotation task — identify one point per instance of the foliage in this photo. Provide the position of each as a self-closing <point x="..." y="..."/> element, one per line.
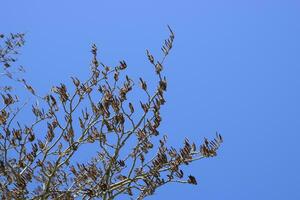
<point x="38" y="159"/>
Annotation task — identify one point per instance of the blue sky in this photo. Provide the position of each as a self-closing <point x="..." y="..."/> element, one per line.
<point x="234" y="69"/>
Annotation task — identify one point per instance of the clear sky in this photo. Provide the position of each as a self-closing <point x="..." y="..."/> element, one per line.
<point x="234" y="69"/>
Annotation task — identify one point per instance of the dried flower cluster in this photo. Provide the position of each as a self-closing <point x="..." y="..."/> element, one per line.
<point x="9" y="47"/>
<point x="38" y="160"/>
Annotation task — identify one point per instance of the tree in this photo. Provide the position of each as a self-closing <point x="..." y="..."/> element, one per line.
<point x="38" y="159"/>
